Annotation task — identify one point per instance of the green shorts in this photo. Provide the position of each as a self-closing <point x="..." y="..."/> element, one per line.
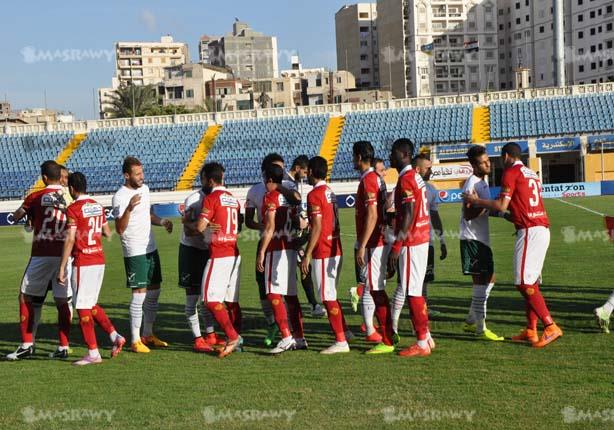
<point x="191" y="265"/>
<point x="476" y="258"/>
<point x="143" y="270"/>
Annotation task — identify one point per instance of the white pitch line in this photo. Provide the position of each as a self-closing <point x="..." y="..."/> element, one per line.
<point x="581" y="207"/>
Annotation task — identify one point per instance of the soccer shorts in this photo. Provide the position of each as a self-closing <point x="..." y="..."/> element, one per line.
<point x="191" y="265"/>
<point x="87" y="281"/>
<point x="326" y="272"/>
<point x="280" y="272"/>
<point x="42" y="272"/>
<point x="430" y="266"/>
<point x="412" y="269"/>
<point x="529" y="254"/>
<point x="375" y="271"/>
<point x="476" y="258"/>
<point x="143" y="270"/>
<point x="221" y="279"/>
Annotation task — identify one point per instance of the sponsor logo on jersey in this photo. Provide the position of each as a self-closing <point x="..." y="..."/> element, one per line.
<point x="228" y="200"/>
<point x="91" y="209"/>
<point x="528" y="173"/>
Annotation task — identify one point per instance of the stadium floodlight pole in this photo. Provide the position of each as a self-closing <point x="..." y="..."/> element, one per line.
<point x="559" y="42"/>
<point x="133" y="102"/>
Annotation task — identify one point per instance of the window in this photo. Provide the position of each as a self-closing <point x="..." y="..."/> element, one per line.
<point x="364" y="29"/>
<point x="541" y="29"/>
<point x="189" y="94"/>
<point x="502" y="42"/>
<point x="363" y="15"/>
<point x="502" y="56"/>
<point x="318" y="82"/>
<point x="580" y="35"/>
<point x="501" y="27"/>
<point x="364" y="43"/>
<point x="365" y="71"/>
<point x="608" y="9"/>
<point x="188" y="73"/>
<point x="608" y="26"/>
<point x="581" y="68"/>
<point x="364" y="57"/>
<point x="526" y="2"/>
<point x="297" y="87"/>
<point x="580" y="18"/>
<point x="609" y="44"/>
<point x="502" y="85"/>
<point x="280" y="86"/>
<point x="580" y="51"/>
<point x="517" y="21"/>
<point x="517" y="5"/>
<point x="593" y="66"/>
<point x="593" y="48"/>
<point x="338" y="79"/>
<point x="580" y="2"/>
<point x="592" y="14"/>
<point x="526" y="18"/>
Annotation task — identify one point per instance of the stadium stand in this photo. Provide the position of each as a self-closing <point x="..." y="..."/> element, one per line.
<point x="242" y="144"/>
<point x="163" y="149"/>
<point x="423" y="125"/>
<point x="20" y="158"/>
<point x="552" y="116"/>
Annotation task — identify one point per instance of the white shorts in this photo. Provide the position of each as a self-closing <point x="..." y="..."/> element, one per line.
<point x="221" y="279"/>
<point x="412" y="269"/>
<point x="530" y="254"/>
<point x="325" y="273"/>
<point x="87" y="281"/>
<point x="40" y="272"/>
<point x="280" y="272"/>
<point x="374" y="272"/>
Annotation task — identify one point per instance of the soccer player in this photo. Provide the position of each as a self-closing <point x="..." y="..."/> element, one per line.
<point x="193" y="256"/>
<point x="603" y="314"/>
<point x="277" y="260"/>
<point x="86" y="226"/>
<point x="47" y="211"/>
<point x="133" y="221"/>
<point x="476" y="255"/>
<point x="298" y="173"/>
<point x="221" y="277"/>
<point x="371" y="254"/>
<point x="411" y="247"/>
<point x="323" y="255"/>
<point x="253" y="221"/>
<point x="521" y="192"/>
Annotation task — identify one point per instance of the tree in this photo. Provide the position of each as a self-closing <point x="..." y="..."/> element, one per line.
<point x="133" y="100"/>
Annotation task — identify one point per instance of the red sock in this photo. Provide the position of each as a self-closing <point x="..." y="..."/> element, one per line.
<point x="26" y="321"/>
<point x="221" y="316"/>
<point x="280" y="314"/>
<point x="296" y="316"/>
<point x="534" y="297"/>
<point x="382" y="312"/>
<point x="360" y="289"/>
<point x="345" y="326"/>
<point x="86" y="321"/>
<point x="419" y="316"/>
<point x="531" y="316"/>
<point x="335" y="318"/>
<point x="102" y="319"/>
<point x="234" y="311"/>
<point x="64" y="319"/>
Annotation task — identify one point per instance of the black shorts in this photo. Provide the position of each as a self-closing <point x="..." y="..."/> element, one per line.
<point x="192" y="262"/>
<point x="476" y="258"/>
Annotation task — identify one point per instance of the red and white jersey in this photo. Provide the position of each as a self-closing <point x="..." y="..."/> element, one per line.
<point x="322" y="203"/>
<point x="523" y="188"/>
<point x="275" y="202"/>
<point x="412" y="189"/>
<point x="371" y="192"/>
<point x="46" y="209"/>
<point x="87" y="217"/>
<point x="222" y="208"/>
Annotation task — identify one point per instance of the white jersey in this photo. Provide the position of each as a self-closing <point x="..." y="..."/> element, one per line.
<point x="255" y="196"/>
<point x="194" y="202"/>
<point x="138" y="237"/>
<point x="432" y="203"/>
<point x="477" y="228"/>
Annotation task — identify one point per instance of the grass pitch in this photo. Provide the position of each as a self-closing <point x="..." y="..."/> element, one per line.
<point x="464" y="384"/>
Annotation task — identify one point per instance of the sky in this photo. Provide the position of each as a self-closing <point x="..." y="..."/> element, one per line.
<point x="63" y="51"/>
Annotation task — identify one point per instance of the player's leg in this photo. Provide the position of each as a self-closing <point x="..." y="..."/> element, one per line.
<point x="87" y="285"/>
<point x="412" y="268"/>
<point x="604" y="313"/>
<point x="295" y="313"/>
<point x="136" y="279"/>
<point x="272" y="328"/>
<point x="37" y="304"/>
<point x="152" y="297"/>
<point x="232" y="305"/>
<point x="367" y="302"/>
<point x="376" y="284"/>
<point x="276" y="281"/>
<point x="62" y="295"/>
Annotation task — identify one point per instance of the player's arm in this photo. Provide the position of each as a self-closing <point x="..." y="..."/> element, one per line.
<point x="267" y="236"/>
<point x="407" y="215"/>
<point x="250" y="219"/>
<point x="122" y="221"/>
<point x="106" y="230"/>
<point x="292" y="196"/>
<point x="370" y="224"/>
<point x="69" y="243"/>
<point x="19" y="214"/>
<point x="161" y="222"/>
<point x="438" y="228"/>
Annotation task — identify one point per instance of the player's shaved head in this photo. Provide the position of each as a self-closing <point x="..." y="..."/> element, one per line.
<point x="318" y="168"/>
<point x="420" y="159"/>
<point x="511" y="149"/>
<point x="77" y="182"/>
<point x="51" y="170"/>
<point x="274" y="173"/>
<point x="214" y="172"/>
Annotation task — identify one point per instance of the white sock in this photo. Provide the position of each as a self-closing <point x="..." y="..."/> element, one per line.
<point x="368" y="310"/>
<point x="191" y="313"/>
<point x="136" y="315"/>
<point x="151" y="310"/>
<point x="113" y="336"/>
<point x="478" y="305"/>
<point x="209" y="320"/>
<point x="609" y="305"/>
<point x="38" y="312"/>
<point x="268" y="311"/>
<point x="423" y="343"/>
<point x="398" y="301"/>
<point x="94" y="353"/>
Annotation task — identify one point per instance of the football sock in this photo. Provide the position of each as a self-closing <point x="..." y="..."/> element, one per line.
<point x="150" y="307"/>
<point x="281" y="315"/>
<point x="25" y="324"/>
<point x="382" y="310"/>
<point x="296" y="316"/>
<point x="191" y="314"/>
<point x="608" y="307"/>
<point x="268" y="311"/>
<point x="101" y="318"/>
<point x="534" y="297"/>
<point x="64" y="320"/>
<point x="208" y="320"/>
<point x="368" y="311"/>
<point x="235" y="314"/>
<point x="86" y="322"/>
<point x="136" y="315"/>
<point x="221" y="316"/>
<point x="478" y="306"/>
<point x="345" y="326"/>
<point x="335" y="318"/>
<point x="398" y="301"/>
<point x="419" y="318"/>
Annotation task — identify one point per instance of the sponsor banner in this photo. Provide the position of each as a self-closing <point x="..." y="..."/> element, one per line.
<point x="562" y="144"/>
<point x="452" y="171"/>
<point x="596" y="142"/>
<point x="576" y="189"/>
<point x="494" y="148"/>
<point x="607" y="188"/>
<point x="452" y="152"/>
